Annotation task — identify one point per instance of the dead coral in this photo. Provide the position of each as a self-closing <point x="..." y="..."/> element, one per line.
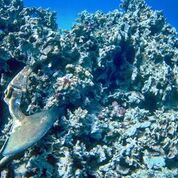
<point x="116" y="73"/>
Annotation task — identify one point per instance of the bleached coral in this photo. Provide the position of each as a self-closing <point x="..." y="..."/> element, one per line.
<point x="116" y="74"/>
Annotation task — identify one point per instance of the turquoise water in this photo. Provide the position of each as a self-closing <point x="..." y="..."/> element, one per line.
<point x="67" y="10"/>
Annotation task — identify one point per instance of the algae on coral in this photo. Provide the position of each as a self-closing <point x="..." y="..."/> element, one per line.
<point x="116" y="74"/>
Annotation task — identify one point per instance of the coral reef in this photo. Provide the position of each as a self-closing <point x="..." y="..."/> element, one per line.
<point x="116" y="75"/>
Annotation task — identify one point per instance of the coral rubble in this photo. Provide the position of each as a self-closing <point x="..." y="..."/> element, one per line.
<point x="116" y="74"/>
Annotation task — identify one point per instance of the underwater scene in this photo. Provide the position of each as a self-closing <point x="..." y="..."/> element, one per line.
<point x="88" y="89"/>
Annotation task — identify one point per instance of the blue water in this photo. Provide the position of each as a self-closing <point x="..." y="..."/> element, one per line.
<point x="67" y="10"/>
